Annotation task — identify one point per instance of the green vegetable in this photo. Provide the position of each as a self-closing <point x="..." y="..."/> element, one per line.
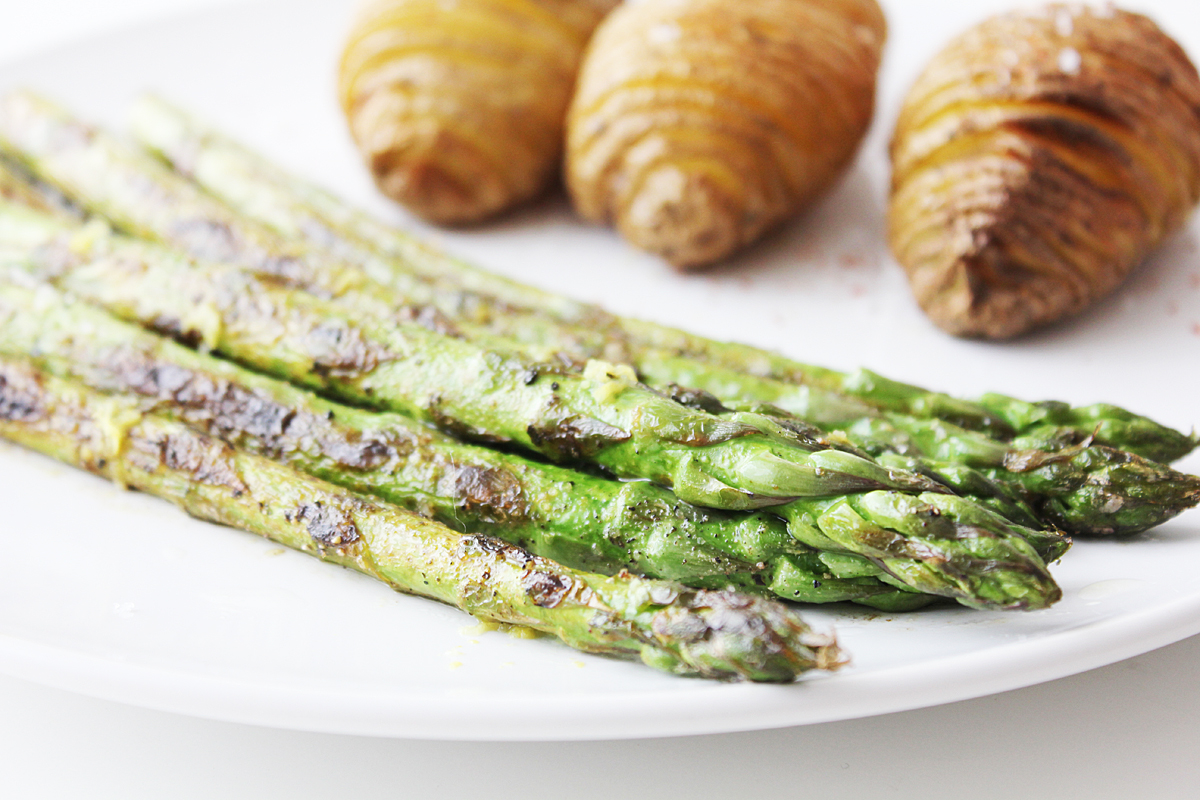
<point x="602" y="416"/>
<point x="951" y="547"/>
<point x="581" y="520"/>
<point x="715" y="634"/>
<point x="1083" y="489"/>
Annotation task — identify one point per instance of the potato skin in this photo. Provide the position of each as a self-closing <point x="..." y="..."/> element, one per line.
<point x="458" y="106"/>
<point x="1037" y="160"/>
<point x="697" y="125"/>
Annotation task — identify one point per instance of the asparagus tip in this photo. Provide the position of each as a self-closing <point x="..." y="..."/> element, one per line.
<point x="727" y="634"/>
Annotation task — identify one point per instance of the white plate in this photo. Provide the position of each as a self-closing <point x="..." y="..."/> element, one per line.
<point x="120" y="596"/>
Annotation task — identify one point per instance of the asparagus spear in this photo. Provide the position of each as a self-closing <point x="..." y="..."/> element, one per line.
<point x="602" y="416"/>
<point x="965" y="481"/>
<point x="583" y="521"/>
<point x="287" y="204"/>
<point x="715" y="634"/>
<point x="927" y="541"/>
<point x="1082" y="488"/>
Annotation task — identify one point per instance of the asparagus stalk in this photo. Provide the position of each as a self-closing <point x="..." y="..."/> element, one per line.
<point x="580" y="520"/>
<point x="298" y="209"/>
<point x="965" y="481"/>
<point x="927" y="541"/>
<point x="1082" y="488"/>
<point x="714" y="634"/>
<point x="602" y="416"/>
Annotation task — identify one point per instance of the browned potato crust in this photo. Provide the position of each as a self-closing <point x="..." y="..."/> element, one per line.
<point x="458" y="105"/>
<point x="1037" y="160"/>
<point x="697" y="125"/>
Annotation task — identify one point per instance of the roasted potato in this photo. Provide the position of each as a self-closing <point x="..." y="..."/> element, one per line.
<point x="458" y="105"/>
<point x="1037" y="160"/>
<point x="697" y="125"/>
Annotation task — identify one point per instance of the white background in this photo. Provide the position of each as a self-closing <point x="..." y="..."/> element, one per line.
<point x="1129" y="730"/>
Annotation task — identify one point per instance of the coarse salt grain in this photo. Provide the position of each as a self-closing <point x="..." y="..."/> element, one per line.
<point x="1069" y="60"/>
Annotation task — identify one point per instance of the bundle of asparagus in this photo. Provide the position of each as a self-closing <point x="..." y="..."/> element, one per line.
<point x="584" y="520"/>
<point x="1086" y="489"/>
<point x="917" y="533"/>
<point x="714" y="634"/>
<point x="750" y="470"/>
<point x="306" y="213"/>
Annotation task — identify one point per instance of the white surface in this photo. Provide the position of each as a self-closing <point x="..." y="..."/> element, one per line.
<point x="836" y="245"/>
<point x="1125" y="731"/>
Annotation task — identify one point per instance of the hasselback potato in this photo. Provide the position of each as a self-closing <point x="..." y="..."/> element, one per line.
<point x="1037" y="160"/>
<point x="458" y="105"/>
<point x="699" y="124"/>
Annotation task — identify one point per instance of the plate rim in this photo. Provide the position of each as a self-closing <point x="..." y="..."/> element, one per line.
<point x="724" y="707"/>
